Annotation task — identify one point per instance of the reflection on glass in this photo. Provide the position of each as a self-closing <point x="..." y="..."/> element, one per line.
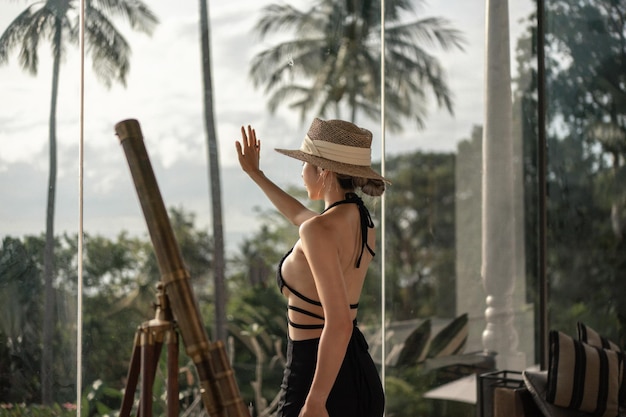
<point x="585" y="128"/>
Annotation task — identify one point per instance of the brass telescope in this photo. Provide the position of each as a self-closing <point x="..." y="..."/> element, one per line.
<point x="220" y="393"/>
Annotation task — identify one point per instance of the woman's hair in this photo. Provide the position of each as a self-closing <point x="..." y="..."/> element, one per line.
<point x="369" y="186"/>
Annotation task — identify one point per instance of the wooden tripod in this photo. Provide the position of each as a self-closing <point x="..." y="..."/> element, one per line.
<point x="218" y="386"/>
<point x="149" y="340"/>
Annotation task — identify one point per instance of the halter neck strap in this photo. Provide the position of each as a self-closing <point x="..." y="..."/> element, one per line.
<point x="366" y="221"/>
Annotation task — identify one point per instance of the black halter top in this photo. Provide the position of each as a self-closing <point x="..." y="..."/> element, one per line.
<point x="366" y="222"/>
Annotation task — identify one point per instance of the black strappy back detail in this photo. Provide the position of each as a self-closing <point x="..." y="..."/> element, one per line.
<point x="366" y="222"/>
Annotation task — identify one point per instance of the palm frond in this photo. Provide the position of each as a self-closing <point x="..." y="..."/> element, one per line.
<point x="108" y="49"/>
<point x="24" y="32"/>
<point x="283" y="93"/>
<point x="451" y="339"/>
<point x="432" y="32"/>
<point x="394" y="9"/>
<point x="415" y="345"/>
<point x="281" y="17"/>
<point x="135" y="12"/>
<point x="426" y="71"/>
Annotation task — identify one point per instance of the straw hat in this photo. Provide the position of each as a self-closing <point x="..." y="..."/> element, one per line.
<point x="337" y="146"/>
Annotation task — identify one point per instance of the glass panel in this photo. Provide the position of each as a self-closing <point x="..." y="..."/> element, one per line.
<point x="585" y="126"/>
<point x="436" y="296"/>
<point x="164" y="93"/>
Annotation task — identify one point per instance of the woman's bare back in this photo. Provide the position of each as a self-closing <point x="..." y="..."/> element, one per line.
<point x="342" y="235"/>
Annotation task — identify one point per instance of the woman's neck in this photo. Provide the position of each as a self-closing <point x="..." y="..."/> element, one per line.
<point x="332" y="196"/>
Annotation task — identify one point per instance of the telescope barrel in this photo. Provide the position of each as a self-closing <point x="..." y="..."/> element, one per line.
<point x="175" y="277"/>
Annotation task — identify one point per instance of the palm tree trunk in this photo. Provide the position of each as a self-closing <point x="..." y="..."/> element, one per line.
<point x="353" y="106"/>
<point x="214" y="177"/>
<point x="47" y="357"/>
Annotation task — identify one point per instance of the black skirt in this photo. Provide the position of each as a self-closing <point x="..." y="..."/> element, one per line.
<point x="357" y="391"/>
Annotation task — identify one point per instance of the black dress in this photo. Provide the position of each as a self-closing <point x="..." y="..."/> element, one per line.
<point x="357" y="391"/>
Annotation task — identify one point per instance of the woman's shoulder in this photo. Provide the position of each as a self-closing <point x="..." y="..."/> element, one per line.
<point x="319" y="238"/>
<point x="327" y="226"/>
<point x="316" y="225"/>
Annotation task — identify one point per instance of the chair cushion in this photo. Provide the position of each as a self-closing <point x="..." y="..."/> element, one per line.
<point x="582" y="377"/>
<point x="588" y="335"/>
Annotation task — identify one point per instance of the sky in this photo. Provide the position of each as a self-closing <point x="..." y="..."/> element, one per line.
<point x="163" y="94"/>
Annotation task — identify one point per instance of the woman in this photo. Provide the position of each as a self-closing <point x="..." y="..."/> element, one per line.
<point x="329" y="371"/>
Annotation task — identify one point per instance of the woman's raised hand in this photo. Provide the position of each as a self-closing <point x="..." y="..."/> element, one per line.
<point x="248" y="150"/>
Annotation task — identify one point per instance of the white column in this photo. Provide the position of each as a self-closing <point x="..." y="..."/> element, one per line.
<point x="498" y="267"/>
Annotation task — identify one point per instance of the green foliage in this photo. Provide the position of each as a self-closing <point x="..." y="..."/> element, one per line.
<point x="96" y="401"/>
<point x="257" y="312"/>
<point x="586" y="238"/>
<point x="451" y="339"/>
<point x="421" y="344"/>
<point x="409" y="379"/>
<point x="259" y="328"/>
<point x="119" y="278"/>
<point x="35" y="410"/>
<point x="420" y="218"/>
<point x="585" y="171"/>
<point x="100" y="400"/>
<point x="403" y="394"/>
<point x="414" y="350"/>
<point x="20" y="302"/>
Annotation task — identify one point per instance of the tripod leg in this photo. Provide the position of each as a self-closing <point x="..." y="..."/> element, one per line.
<point x="147" y="375"/>
<point x="131" y="378"/>
<point x="172" y="374"/>
<point x="151" y="352"/>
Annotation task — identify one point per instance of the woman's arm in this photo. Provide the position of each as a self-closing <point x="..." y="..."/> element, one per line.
<point x="322" y="254"/>
<point x="249" y="152"/>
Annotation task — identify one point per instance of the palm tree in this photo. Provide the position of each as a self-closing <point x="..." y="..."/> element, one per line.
<point x="57" y="21"/>
<point x="333" y="62"/>
<point x="219" y="297"/>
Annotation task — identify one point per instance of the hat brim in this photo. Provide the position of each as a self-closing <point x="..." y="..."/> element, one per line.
<point x="338" y="167"/>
